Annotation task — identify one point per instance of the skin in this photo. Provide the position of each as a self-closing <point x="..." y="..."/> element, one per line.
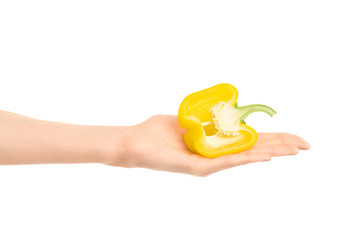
<point x="155" y="144"/>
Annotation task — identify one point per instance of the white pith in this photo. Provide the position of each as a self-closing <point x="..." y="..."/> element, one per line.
<point x="225" y="119"/>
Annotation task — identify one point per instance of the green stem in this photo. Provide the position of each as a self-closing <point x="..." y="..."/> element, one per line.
<point x="248" y="109"/>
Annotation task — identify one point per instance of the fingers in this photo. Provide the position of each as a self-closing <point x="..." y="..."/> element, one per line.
<point x="282" y="139"/>
<point x="268" y="145"/>
<point x="255" y="155"/>
<point x="276" y="150"/>
<point x="206" y="166"/>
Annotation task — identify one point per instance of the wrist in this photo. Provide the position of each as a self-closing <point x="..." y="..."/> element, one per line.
<point x="116" y="150"/>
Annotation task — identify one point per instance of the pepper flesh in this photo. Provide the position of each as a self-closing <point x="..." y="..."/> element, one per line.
<point x="215" y="123"/>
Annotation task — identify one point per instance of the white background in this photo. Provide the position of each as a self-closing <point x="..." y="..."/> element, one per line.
<point x="119" y="62"/>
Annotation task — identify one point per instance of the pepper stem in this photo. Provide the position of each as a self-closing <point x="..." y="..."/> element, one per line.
<point x="246" y="110"/>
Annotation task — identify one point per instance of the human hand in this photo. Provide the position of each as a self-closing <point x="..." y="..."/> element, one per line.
<point x="158" y="144"/>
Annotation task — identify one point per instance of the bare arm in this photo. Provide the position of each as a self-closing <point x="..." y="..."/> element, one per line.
<point x="25" y="140"/>
<point x="156" y="144"/>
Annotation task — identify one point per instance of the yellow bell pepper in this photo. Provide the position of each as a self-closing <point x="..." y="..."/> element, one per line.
<point x="215" y="123"/>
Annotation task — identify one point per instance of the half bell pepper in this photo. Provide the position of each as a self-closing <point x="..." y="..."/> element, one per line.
<point x="215" y="123"/>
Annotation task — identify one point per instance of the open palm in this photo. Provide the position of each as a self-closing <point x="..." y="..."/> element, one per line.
<point x="158" y="144"/>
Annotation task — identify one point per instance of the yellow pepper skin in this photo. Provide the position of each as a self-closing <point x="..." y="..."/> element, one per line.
<point x="202" y="135"/>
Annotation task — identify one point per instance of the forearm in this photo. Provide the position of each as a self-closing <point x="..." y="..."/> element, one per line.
<point x="25" y="140"/>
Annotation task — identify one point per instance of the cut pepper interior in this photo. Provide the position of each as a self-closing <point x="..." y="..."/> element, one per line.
<point x="215" y="123"/>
